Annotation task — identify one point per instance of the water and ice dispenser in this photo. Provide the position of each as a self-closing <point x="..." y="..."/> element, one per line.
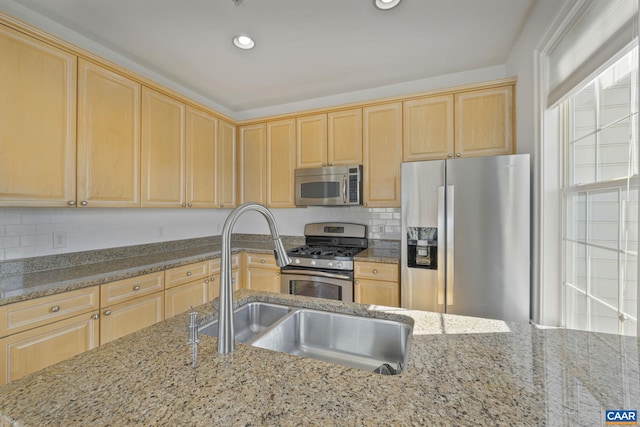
<point x="422" y="247"/>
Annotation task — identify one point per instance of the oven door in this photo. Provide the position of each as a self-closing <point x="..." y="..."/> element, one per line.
<point x="319" y="284"/>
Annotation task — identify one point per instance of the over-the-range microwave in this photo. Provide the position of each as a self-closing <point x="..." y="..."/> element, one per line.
<point x="329" y="186"/>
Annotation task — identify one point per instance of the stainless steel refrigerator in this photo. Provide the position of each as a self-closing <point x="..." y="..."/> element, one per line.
<point x="465" y="236"/>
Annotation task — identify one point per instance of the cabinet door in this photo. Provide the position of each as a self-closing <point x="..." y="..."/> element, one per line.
<point x="253" y="184"/>
<point x="163" y="150"/>
<point x="132" y="288"/>
<point x="344" y="146"/>
<point x="281" y="163"/>
<point x="263" y="279"/>
<point x="376" y="292"/>
<point x="131" y="316"/>
<point x="484" y="122"/>
<point x="35" y="349"/>
<point x="37" y="122"/>
<point x="214" y="283"/>
<point x="226" y="165"/>
<point x="311" y="141"/>
<point x="201" y="159"/>
<point x="382" y="155"/>
<point x="108" y="138"/>
<point x="181" y="298"/>
<point x="428" y="128"/>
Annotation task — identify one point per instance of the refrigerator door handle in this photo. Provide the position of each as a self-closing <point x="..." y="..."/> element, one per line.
<point x="441" y="245"/>
<point x="449" y="290"/>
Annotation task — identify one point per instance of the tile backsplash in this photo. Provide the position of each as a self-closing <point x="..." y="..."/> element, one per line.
<point x="30" y="232"/>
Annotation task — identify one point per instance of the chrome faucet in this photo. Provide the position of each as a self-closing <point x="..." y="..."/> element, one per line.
<point x="226" y="342"/>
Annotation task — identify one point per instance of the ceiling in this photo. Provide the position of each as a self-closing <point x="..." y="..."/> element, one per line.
<point x="305" y="49"/>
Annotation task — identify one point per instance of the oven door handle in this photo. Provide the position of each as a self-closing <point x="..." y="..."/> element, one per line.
<point x="316" y="274"/>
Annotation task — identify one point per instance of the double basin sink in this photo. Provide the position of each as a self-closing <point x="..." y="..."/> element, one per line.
<point x="371" y="344"/>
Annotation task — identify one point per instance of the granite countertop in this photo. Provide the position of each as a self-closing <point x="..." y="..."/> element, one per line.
<point x="461" y="371"/>
<point x="55" y="274"/>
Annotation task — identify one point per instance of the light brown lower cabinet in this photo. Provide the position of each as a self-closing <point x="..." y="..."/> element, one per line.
<point x="214" y="275"/>
<point x="376" y="283"/>
<point x="125" y="318"/>
<point x="262" y="273"/>
<point x="35" y="349"/>
<point x="181" y="298"/>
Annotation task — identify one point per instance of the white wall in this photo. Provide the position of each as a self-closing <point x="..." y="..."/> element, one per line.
<point x="30" y="232"/>
<point x="546" y="209"/>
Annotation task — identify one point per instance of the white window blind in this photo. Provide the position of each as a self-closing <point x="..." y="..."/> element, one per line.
<point x="599" y="31"/>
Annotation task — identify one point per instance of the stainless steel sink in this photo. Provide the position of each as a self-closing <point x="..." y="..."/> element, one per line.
<point x="249" y="320"/>
<point x="358" y="342"/>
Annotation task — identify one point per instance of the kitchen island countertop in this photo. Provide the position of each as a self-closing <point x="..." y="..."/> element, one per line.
<point x="461" y="371"/>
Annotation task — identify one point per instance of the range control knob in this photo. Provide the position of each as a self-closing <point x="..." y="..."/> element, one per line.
<point x="330" y="263"/>
<point x="339" y="264"/>
<point x="313" y="262"/>
<point x="297" y="261"/>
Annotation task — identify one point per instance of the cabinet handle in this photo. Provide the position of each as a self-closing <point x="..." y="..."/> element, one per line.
<point x="459" y="155"/>
<point x="449" y="155"/>
<point x="190" y="204"/>
<point x="221" y="206"/>
<point x="84" y="203"/>
<point x="55" y="309"/>
<point x="136" y="288"/>
<point x="330" y="164"/>
<point x="277" y="273"/>
<point x="72" y="203"/>
<point x="95" y="316"/>
<point x="375" y="271"/>
<point x="188" y="273"/>
<point x="357" y="282"/>
<point x="107" y="313"/>
<point x="233" y="280"/>
<point x="261" y="261"/>
<point x="365" y="205"/>
<point x="213" y="279"/>
<point x="184" y="205"/>
<point x="324" y="164"/>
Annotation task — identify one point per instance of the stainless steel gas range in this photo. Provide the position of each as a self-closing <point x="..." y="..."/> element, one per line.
<point x="323" y="267"/>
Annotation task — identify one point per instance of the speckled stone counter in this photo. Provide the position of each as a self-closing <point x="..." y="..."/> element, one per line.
<point x="37" y="277"/>
<point x="461" y="371"/>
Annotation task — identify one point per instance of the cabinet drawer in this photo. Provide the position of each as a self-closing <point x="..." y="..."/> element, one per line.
<point x="376" y="271"/>
<point x="124" y="290"/>
<point x="214" y="264"/>
<point x="29" y="314"/>
<point x="261" y="260"/>
<point x="131" y="316"/>
<point x="181" y="298"/>
<point x="186" y="273"/>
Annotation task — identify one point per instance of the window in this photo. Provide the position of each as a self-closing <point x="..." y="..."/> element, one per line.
<point x="600" y="197"/>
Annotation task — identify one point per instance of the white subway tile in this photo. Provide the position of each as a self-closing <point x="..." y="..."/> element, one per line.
<point x="9" y="242"/>
<point x="9" y="219"/>
<point x="20" y="230"/>
<point x="20" y="252"/>
<point x="37" y="240"/>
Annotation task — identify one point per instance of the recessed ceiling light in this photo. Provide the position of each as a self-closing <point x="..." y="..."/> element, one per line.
<point x="386" y="4"/>
<point x="243" y="41"/>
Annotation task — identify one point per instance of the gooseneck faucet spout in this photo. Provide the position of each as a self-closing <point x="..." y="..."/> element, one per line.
<point x="226" y="342"/>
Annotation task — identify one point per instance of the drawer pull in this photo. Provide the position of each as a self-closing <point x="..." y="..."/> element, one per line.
<point x="261" y="261"/>
<point x="95" y="317"/>
<point x="277" y="273"/>
<point x="108" y="312"/>
<point x="375" y="271"/>
<point x="55" y="309"/>
<point x="136" y="288"/>
<point x="206" y="280"/>
<point x="188" y="273"/>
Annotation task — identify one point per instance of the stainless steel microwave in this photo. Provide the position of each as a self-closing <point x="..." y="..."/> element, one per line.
<point x="329" y="186"/>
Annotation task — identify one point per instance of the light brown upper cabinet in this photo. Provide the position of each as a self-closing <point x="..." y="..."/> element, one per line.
<point x="226" y="164"/>
<point x="428" y="128"/>
<point x="201" y="160"/>
<point x="484" y="121"/>
<point x="311" y="141"/>
<point x="382" y="155"/>
<point x="108" y="138"/>
<point x="163" y="150"/>
<point x="252" y="170"/>
<point x="281" y="163"/>
<point x="329" y="139"/>
<point x="344" y="146"/>
<point x="37" y="122"/>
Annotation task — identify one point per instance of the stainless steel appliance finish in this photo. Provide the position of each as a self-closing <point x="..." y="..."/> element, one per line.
<point x="465" y="236"/>
<point x="323" y="267"/>
<point x="329" y="186"/>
